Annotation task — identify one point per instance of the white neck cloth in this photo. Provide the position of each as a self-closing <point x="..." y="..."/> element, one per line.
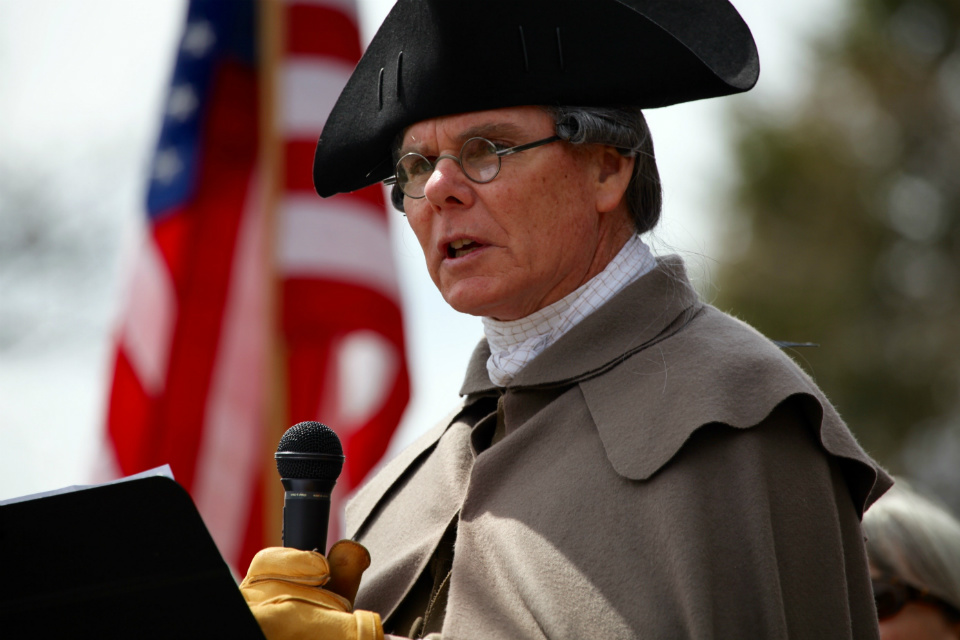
<point x="514" y="343"/>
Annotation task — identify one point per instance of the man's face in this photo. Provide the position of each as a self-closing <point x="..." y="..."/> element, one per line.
<point x="512" y="246"/>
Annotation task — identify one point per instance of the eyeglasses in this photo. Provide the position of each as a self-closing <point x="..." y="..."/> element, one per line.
<point x="479" y="160"/>
<point x="891" y="595"/>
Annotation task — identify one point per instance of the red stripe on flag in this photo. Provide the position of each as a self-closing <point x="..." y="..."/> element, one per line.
<point x="298" y="159"/>
<point x="307" y="368"/>
<point x="311" y="305"/>
<point x="318" y="30"/>
<point x="129" y="416"/>
<point x="171" y="235"/>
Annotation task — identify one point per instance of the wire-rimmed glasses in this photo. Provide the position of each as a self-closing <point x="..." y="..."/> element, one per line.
<point x="479" y="160"/>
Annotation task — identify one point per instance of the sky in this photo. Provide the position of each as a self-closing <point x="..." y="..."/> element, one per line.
<point x="81" y="89"/>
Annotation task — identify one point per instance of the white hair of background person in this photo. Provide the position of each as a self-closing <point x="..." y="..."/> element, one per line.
<point x="911" y="537"/>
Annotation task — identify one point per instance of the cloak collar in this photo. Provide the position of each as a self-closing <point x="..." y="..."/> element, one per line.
<point x="661" y="383"/>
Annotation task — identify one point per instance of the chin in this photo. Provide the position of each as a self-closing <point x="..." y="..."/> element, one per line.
<point x="469" y="298"/>
<point x="476" y="305"/>
<point x="469" y="307"/>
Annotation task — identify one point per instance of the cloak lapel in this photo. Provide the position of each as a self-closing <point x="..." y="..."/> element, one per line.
<point x="369" y="495"/>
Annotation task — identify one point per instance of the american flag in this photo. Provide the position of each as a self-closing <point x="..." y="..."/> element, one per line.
<point x="254" y="304"/>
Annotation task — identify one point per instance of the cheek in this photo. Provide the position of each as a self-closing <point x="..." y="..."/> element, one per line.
<point x="420" y="224"/>
<point x="546" y="232"/>
<point x="538" y="203"/>
<point x="418" y="217"/>
<point x="560" y="212"/>
<point x="421" y="229"/>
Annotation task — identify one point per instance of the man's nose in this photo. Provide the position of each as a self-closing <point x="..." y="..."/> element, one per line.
<point x="446" y="184"/>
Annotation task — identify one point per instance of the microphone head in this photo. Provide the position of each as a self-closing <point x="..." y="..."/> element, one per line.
<point x="310" y="450"/>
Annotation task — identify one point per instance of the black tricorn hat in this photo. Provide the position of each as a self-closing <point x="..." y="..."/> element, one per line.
<point x="433" y="58"/>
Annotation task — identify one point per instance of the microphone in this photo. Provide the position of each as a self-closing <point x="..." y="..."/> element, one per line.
<point x="309" y="460"/>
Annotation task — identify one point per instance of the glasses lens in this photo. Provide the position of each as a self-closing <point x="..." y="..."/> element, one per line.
<point x="413" y="171"/>
<point x="479" y="160"/>
<point x="889" y="598"/>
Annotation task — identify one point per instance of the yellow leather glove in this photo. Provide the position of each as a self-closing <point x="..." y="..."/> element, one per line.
<point x="300" y="595"/>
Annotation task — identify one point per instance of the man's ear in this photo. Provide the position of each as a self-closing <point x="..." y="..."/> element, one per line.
<point x="613" y="177"/>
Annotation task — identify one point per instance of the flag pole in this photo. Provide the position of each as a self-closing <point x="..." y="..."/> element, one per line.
<point x="271" y="42"/>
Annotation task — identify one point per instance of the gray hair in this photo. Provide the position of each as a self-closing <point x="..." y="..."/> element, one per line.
<point x="911" y="537"/>
<point x="624" y="128"/>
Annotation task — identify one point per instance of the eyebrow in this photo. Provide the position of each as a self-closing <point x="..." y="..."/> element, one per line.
<point x="498" y="130"/>
<point x="492" y="130"/>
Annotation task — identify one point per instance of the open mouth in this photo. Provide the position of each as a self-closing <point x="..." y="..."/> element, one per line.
<point x="460" y="248"/>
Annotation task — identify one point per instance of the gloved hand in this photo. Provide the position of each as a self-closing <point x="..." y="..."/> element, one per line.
<point x="298" y="595"/>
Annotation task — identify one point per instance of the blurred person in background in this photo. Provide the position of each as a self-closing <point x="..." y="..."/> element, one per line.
<point x="913" y="545"/>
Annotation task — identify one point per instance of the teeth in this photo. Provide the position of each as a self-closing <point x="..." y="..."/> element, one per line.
<point x="459" y="248"/>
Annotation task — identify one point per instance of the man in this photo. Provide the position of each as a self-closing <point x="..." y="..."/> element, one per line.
<point x="627" y="461"/>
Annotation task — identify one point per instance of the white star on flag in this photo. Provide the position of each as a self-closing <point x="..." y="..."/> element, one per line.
<point x="167" y="165"/>
<point x="182" y="103"/>
<point x="198" y="39"/>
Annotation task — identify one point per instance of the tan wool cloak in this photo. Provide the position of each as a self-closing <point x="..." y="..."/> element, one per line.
<point x="665" y="472"/>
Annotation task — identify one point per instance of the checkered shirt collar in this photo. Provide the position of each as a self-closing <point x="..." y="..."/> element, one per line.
<point x="515" y="343"/>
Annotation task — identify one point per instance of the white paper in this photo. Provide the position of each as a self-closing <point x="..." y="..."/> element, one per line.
<point x="163" y="471"/>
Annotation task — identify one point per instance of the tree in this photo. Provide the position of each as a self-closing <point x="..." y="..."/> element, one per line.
<point x="848" y="211"/>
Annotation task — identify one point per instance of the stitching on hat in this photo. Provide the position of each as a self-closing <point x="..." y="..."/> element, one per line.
<point x="560" y="48"/>
<point x="399" y="70"/>
<point x="380" y="90"/>
<point x="523" y="43"/>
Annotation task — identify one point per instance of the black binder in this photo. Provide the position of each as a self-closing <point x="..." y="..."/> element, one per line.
<point x="126" y="560"/>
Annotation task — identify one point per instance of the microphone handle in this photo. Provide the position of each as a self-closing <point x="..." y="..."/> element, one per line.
<point x="306" y="513"/>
